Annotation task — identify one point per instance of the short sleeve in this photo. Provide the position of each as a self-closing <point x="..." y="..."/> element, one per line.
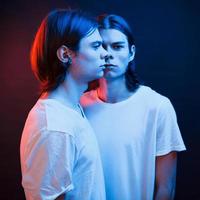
<point x="47" y="165"/>
<point x="168" y="136"/>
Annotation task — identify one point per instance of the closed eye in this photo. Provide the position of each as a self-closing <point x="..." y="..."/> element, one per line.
<point x="96" y="45"/>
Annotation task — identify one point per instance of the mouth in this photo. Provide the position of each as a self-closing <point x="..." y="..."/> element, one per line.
<point x="109" y="65"/>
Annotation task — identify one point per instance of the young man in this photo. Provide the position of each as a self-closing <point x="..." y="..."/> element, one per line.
<point x="59" y="153"/>
<point x="135" y="126"/>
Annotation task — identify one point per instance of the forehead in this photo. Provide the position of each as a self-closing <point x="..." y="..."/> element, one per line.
<point x="93" y="37"/>
<point x="112" y="36"/>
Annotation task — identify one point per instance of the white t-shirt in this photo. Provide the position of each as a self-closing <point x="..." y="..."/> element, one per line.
<point x="59" y="154"/>
<point x="131" y="133"/>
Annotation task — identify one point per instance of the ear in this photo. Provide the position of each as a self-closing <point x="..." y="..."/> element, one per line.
<point x="132" y="53"/>
<point x="63" y="54"/>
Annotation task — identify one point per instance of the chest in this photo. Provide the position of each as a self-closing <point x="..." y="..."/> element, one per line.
<point x="124" y="126"/>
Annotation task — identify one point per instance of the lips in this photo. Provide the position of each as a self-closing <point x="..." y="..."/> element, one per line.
<point x="109" y="65"/>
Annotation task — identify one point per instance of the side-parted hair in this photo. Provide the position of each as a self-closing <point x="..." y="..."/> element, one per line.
<point x="59" y="27"/>
<point x="117" y="22"/>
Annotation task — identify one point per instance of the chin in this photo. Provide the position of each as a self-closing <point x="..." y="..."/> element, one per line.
<point x="109" y="75"/>
<point x="100" y="75"/>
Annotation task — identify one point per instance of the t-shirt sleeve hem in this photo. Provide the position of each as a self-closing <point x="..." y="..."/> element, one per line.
<point x="170" y="149"/>
<point x="29" y="192"/>
<point x="67" y="189"/>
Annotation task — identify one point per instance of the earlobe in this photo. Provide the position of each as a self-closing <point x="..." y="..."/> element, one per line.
<point x="132" y="53"/>
<point x="63" y="54"/>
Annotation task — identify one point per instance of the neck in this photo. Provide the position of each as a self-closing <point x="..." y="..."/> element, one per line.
<point x="113" y="91"/>
<point x="68" y="93"/>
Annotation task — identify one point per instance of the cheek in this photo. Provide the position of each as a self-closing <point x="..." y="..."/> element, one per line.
<point x="90" y="57"/>
<point x="124" y="59"/>
<point x="122" y="56"/>
<point x="82" y="60"/>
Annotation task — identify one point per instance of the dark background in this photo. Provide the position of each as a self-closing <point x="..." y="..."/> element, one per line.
<point x="167" y="59"/>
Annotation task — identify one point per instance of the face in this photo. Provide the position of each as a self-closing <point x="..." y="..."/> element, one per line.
<point x="88" y="63"/>
<point x="119" y="53"/>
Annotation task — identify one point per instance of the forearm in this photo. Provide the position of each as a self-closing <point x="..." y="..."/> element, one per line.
<point x="62" y="197"/>
<point x="165" y="177"/>
<point x="164" y="193"/>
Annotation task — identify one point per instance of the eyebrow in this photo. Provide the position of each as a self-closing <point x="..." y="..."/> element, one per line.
<point x="115" y="43"/>
<point x="120" y="42"/>
<point x="98" y="41"/>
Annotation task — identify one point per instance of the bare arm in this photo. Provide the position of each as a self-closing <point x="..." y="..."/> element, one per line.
<point x="165" y="176"/>
<point x="61" y="197"/>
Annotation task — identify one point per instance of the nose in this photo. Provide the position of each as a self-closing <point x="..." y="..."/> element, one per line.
<point x="106" y="55"/>
<point x="103" y="53"/>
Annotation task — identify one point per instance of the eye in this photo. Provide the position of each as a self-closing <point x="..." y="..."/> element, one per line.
<point x="96" y="45"/>
<point x="117" y="46"/>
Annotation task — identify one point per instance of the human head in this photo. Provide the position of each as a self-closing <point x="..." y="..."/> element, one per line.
<point x="59" y="27"/>
<point x="119" y="23"/>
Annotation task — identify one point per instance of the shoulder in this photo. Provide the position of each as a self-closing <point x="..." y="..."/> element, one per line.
<point x="88" y="98"/>
<point x="159" y="104"/>
<point x="36" y="119"/>
<point x="152" y="94"/>
<point x="152" y="97"/>
<point x="52" y="116"/>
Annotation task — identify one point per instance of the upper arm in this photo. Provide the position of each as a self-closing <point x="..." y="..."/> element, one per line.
<point x="166" y="173"/>
<point x="168" y="136"/>
<point x="48" y="164"/>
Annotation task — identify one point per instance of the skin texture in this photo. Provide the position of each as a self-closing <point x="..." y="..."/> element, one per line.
<point x="112" y="86"/>
<point x="62" y="197"/>
<point x="119" y="54"/>
<point x="87" y="63"/>
<point x="165" y="176"/>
